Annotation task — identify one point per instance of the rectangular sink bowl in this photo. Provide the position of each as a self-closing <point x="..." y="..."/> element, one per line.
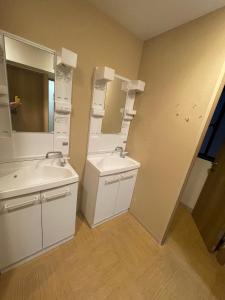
<point x="18" y="178"/>
<point x="112" y="163"/>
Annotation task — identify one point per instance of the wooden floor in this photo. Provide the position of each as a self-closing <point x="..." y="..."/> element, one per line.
<point x="120" y="260"/>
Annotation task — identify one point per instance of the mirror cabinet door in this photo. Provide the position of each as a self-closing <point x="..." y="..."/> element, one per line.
<point x="5" y="122"/>
<point x="115" y="100"/>
<point x="31" y="76"/>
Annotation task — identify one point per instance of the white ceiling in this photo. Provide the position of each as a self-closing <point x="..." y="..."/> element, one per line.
<point x="148" y="18"/>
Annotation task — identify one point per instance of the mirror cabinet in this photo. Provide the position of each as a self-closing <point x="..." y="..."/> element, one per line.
<point x="35" y="98"/>
<point x="31" y="85"/>
<point x="114" y="105"/>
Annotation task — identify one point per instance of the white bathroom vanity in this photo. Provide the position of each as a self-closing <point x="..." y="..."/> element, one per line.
<point x="37" y="208"/>
<point x="110" y="174"/>
<point x="38" y="187"/>
<point x="108" y="187"/>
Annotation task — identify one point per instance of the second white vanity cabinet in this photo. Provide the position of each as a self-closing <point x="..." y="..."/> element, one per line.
<point x="110" y="174"/>
<point x="106" y="196"/>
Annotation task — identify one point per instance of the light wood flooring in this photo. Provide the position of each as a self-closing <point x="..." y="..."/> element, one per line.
<point x="120" y="260"/>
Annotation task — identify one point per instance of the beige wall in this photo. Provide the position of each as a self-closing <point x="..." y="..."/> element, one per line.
<point x="79" y="26"/>
<point x="182" y="70"/>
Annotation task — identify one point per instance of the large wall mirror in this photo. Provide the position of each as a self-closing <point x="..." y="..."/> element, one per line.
<point x="115" y="100"/>
<point x="31" y="84"/>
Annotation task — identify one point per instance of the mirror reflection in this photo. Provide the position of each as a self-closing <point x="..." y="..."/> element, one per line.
<point x="30" y="73"/>
<point x="115" y="101"/>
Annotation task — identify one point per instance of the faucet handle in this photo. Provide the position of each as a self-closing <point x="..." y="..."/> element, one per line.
<point x="119" y="148"/>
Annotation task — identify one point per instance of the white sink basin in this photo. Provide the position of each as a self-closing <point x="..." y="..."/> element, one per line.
<point x="112" y="163"/>
<point x="18" y="178"/>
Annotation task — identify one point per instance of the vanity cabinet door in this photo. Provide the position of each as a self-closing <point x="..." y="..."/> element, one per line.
<point x="106" y="197"/>
<point x="125" y="192"/>
<point x="20" y="228"/>
<point x="58" y="214"/>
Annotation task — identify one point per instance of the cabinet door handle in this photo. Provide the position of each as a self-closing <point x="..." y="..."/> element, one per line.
<point x="126" y="177"/>
<point x="8" y="207"/>
<point x="111" y="181"/>
<point x="52" y="197"/>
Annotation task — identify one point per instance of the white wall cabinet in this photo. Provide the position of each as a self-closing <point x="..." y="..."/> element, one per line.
<point x="31" y="223"/>
<point x="106" y="196"/>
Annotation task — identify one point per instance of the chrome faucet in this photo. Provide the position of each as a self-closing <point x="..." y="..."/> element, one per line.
<point x="120" y="149"/>
<point x="56" y="154"/>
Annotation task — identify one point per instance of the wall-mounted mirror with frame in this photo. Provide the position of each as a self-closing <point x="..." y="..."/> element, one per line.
<point x="31" y="85"/>
<point x="114" y="104"/>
